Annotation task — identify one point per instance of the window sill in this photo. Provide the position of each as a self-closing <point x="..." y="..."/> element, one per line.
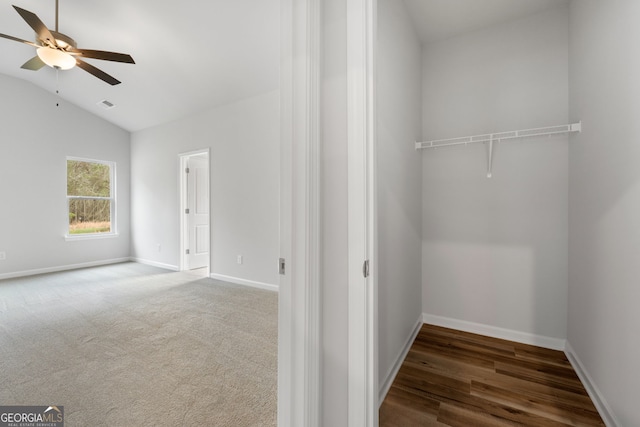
<point x="96" y="236"/>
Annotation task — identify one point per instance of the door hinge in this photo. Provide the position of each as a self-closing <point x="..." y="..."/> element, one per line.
<point x="186" y="170"/>
<point x="281" y="266"/>
<point x="365" y="268"/>
<point x="186" y="211"/>
<point x="187" y="252"/>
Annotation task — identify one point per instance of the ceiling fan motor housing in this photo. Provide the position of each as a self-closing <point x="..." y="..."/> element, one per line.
<point x="62" y="42"/>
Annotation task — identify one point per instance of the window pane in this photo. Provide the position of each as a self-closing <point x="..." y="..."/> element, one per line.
<point x="89" y="216"/>
<point x="88" y="179"/>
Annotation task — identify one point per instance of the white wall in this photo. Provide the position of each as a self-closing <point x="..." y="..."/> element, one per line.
<point x="35" y="140"/>
<point x="399" y="204"/>
<point x="604" y="201"/>
<point x="495" y="250"/>
<point x="244" y="161"/>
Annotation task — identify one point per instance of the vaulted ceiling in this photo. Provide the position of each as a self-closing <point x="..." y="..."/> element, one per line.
<point x="193" y="55"/>
<point x="190" y="55"/>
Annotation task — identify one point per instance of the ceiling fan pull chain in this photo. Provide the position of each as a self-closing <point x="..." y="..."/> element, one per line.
<point x="57" y="87"/>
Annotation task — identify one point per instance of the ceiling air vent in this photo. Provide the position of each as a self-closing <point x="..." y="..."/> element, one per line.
<point x="106" y="104"/>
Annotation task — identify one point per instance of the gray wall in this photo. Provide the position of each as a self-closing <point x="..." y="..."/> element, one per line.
<point x="399" y="181"/>
<point x="604" y="200"/>
<point x="495" y="250"/>
<point x="35" y="139"/>
<point x="244" y="139"/>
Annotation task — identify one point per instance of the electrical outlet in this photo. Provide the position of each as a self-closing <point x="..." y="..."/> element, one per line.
<point x="159" y="247"/>
<point x="239" y="259"/>
<point x="3" y="256"/>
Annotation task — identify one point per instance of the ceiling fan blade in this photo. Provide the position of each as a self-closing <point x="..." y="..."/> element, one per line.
<point x="38" y="26"/>
<point x="107" y="56"/>
<point x="97" y="72"/>
<point x="34" y="64"/>
<point x="15" y="39"/>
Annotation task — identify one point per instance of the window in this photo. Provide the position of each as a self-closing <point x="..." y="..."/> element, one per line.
<point x="90" y="197"/>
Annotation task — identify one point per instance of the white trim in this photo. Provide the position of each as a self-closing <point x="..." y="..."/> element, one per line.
<point x="363" y="352"/>
<point x="244" y="282"/>
<point x="495" y="332"/>
<point x="393" y="371"/>
<point x="299" y="346"/>
<point x="89" y="236"/>
<point x="287" y="350"/>
<point x="206" y="150"/>
<point x="62" y="268"/>
<point x="156" y="264"/>
<point x="313" y="338"/>
<point x="594" y="393"/>
<point x="87" y="159"/>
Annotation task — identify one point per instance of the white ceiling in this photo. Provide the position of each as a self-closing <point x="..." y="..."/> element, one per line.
<point x="190" y="55"/>
<point x="442" y="19"/>
<point x="193" y="55"/>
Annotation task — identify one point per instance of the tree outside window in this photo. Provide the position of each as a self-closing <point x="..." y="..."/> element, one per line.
<point x="90" y="197"/>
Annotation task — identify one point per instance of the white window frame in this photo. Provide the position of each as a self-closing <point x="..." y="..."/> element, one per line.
<point x="112" y="199"/>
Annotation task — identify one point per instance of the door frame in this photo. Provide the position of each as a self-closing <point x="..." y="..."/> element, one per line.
<point x="299" y="321"/>
<point x="183" y="158"/>
<point x="362" y="237"/>
<point x="299" y="326"/>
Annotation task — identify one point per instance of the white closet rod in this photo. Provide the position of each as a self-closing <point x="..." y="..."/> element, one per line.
<point x="500" y="136"/>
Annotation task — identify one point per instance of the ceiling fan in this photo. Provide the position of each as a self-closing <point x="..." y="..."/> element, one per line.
<point x="60" y="51"/>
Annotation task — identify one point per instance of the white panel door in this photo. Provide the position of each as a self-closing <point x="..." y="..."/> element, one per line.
<point x="198" y="212"/>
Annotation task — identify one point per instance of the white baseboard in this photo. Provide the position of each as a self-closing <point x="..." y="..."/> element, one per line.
<point x="393" y="371"/>
<point x="37" y="271"/>
<point x="598" y="399"/>
<point x="495" y="332"/>
<point x="155" y="264"/>
<point x="244" y="282"/>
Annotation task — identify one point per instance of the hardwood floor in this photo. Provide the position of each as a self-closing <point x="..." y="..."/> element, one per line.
<point x="453" y="378"/>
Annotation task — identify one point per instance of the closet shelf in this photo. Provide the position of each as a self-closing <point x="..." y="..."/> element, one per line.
<point x="500" y="136"/>
<point x="490" y="138"/>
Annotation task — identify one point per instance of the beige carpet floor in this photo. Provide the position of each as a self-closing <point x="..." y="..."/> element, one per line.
<point x="133" y="345"/>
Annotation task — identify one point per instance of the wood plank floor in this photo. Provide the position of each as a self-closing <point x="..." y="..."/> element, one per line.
<point x="453" y="378"/>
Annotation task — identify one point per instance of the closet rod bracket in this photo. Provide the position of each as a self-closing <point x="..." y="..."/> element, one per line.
<point x="490" y="159"/>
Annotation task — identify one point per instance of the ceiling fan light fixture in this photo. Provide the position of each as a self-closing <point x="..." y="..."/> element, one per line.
<point x="55" y="58"/>
<point x="60" y="51"/>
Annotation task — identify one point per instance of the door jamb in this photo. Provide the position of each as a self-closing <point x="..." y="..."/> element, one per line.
<point x="299" y="325"/>
<point x="361" y="118"/>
